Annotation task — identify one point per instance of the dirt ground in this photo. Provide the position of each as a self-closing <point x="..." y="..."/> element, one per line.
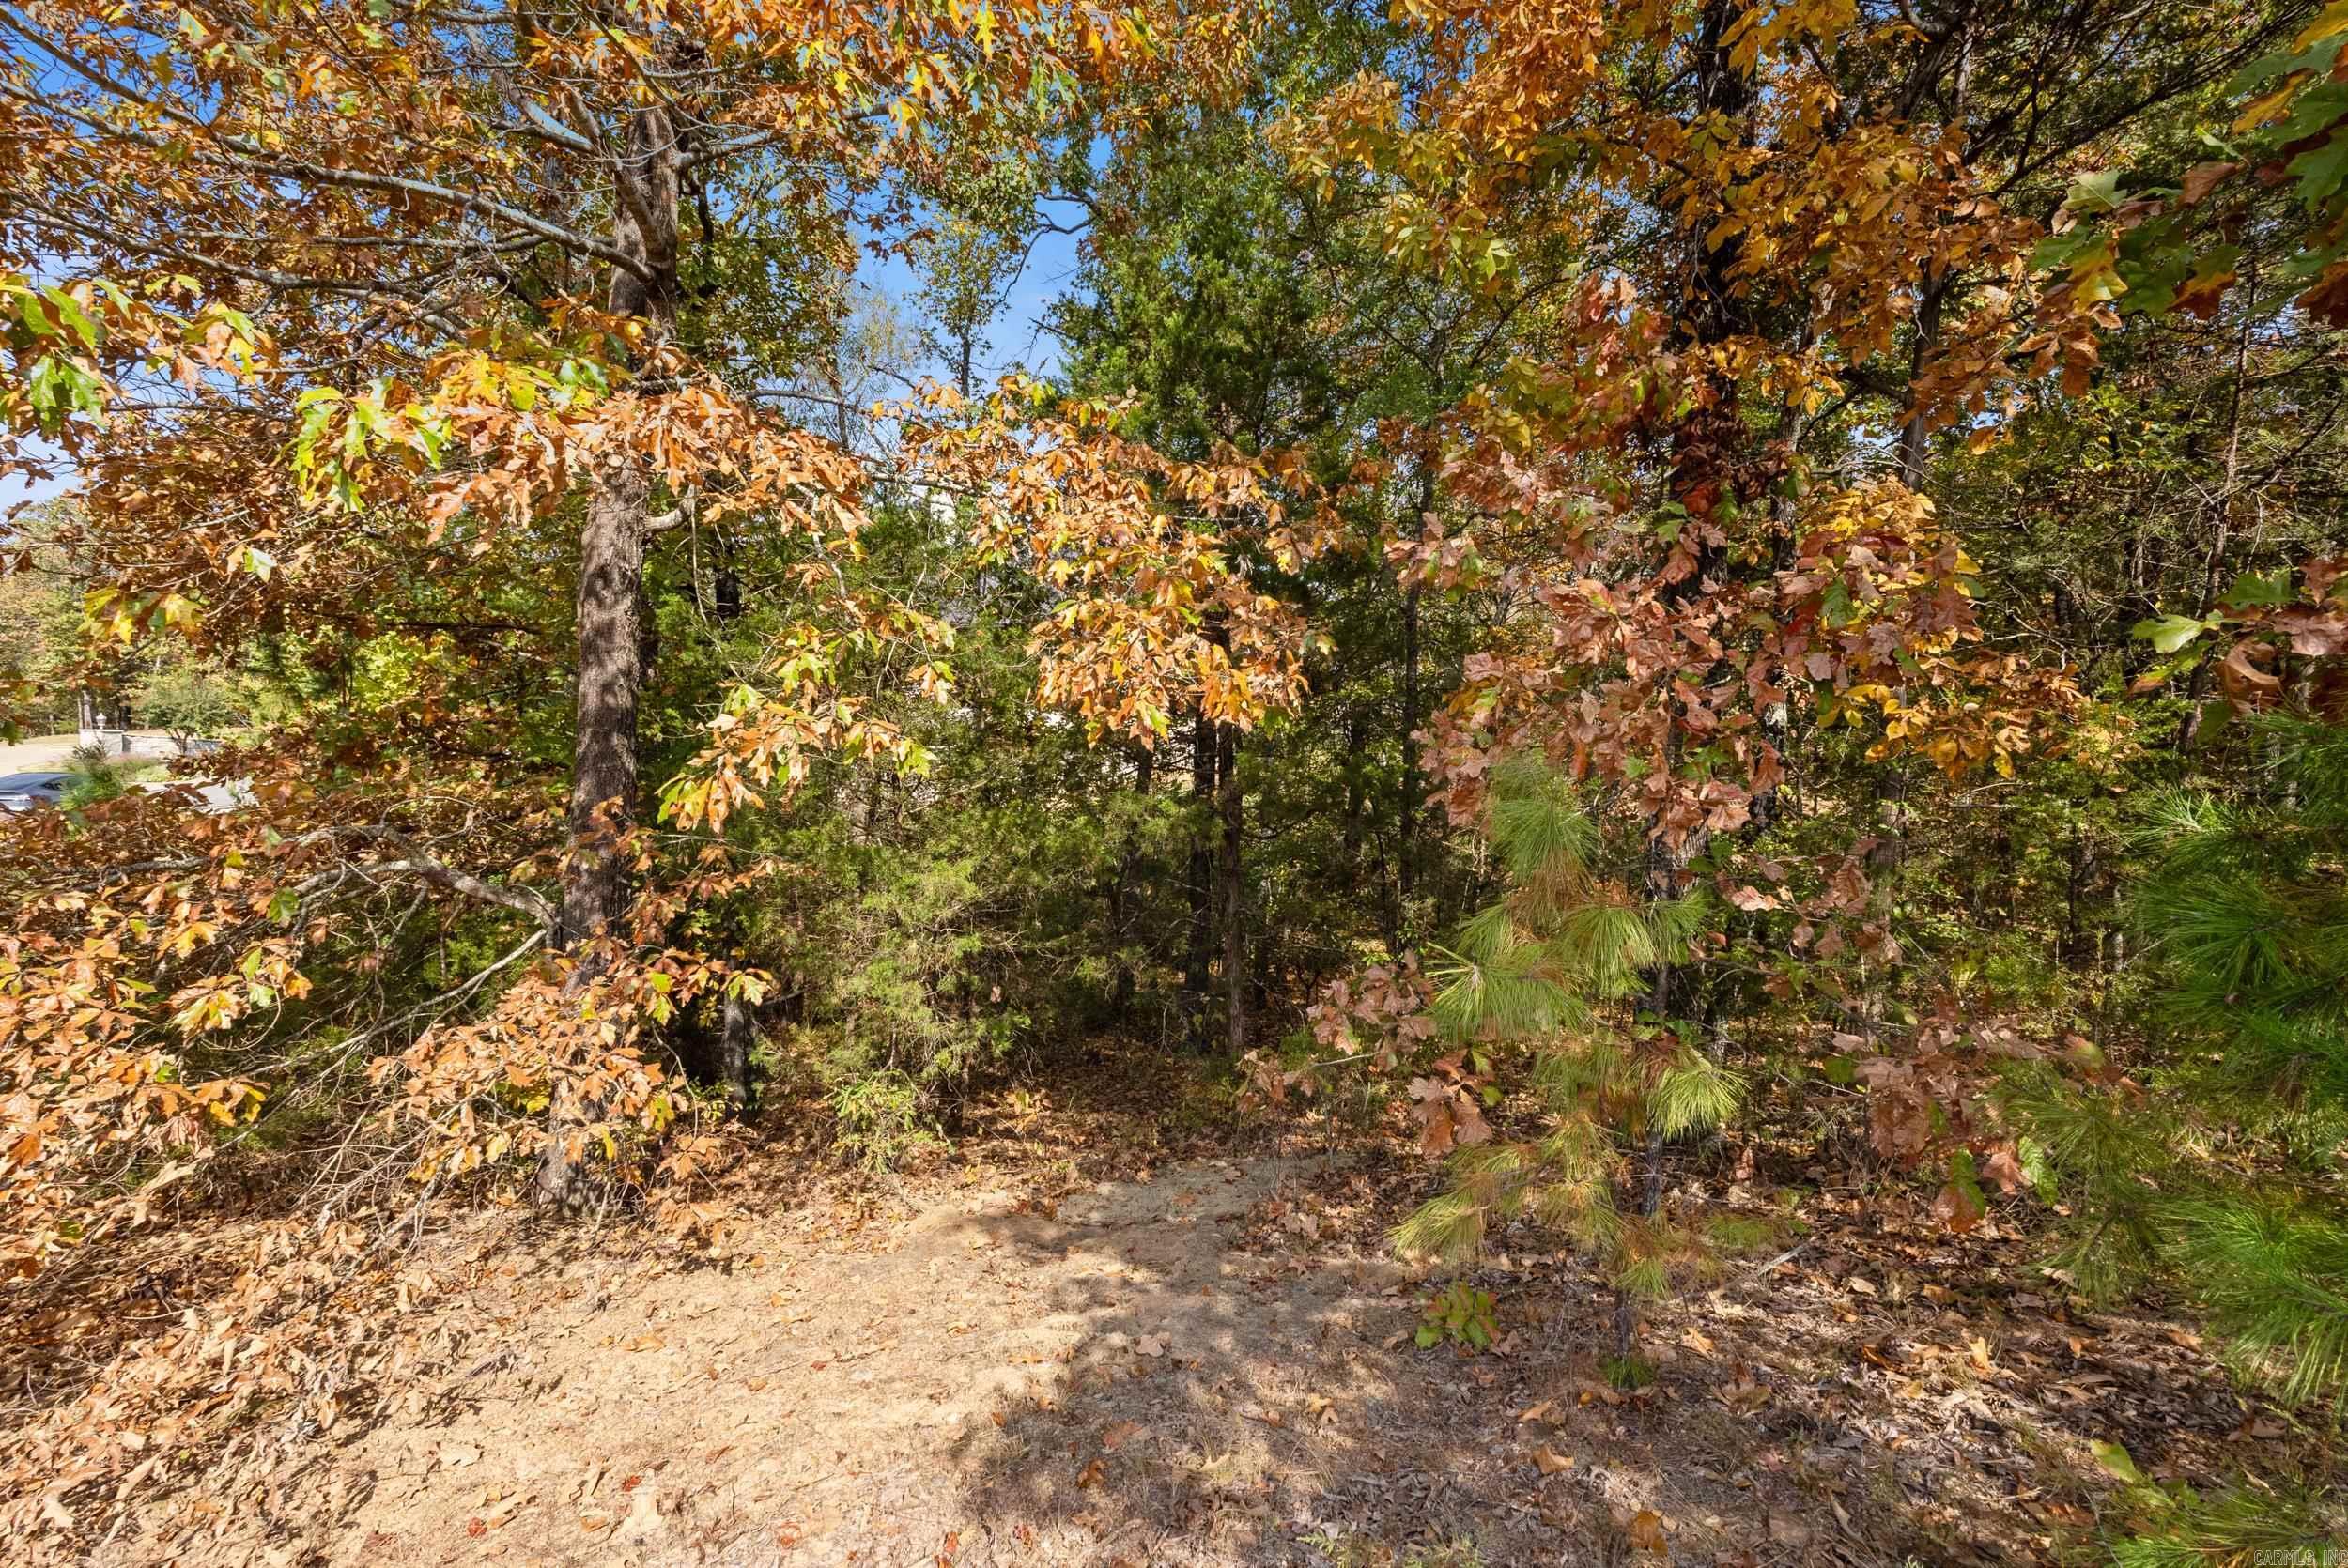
<point x="1210" y="1360"/>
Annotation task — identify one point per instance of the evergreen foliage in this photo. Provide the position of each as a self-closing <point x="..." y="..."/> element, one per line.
<point x="1551" y="974"/>
<point x="2244" y="910"/>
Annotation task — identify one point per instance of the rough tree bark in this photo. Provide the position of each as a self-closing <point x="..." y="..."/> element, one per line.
<point x="645" y="192"/>
<point x="1406" y="854"/>
<point x="1662" y="868"/>
<point x="2221" y="513"/>
<point x="1915" y="453"/>
<point x="1406" y="857"/>
<point x="1230" y="805"/>
<point x="602" y="757"/>
<point x="735" y="1034"/>
<point x="1128" y="873"/>
<point x="1198" y="955"/>
<point x="1356" y="738"/>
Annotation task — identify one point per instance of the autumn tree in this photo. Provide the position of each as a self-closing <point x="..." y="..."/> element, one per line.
<point x="389" y="346"/>
<point x="1626" y="570"/>
<point x="1700" y="477"/>
<point x="468" y="298"/>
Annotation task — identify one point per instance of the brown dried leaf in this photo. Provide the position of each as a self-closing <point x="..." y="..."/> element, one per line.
<point x="2201" y="179"/>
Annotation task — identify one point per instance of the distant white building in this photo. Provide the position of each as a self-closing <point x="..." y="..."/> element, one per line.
<point x="105" y="729"/>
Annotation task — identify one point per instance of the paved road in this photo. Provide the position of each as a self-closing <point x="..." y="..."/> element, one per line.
<point x="49" y="753"/>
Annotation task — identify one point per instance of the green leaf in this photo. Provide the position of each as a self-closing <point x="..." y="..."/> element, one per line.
<point x="2094" y="193"/>
<point x="69" y="311"/>
<point x="2060" y="250"/>
<point x="2323" y="169"/>
<point x="2169" y="632"/>
<point x="2251" y="588"/>
<point x="57" y="387"/>
<point x="28" y="311"/>
<point x="1837" y="608"/>
<point x="2117" y="1463"/>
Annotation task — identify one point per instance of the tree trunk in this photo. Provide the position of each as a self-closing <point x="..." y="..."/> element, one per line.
<point x="2221" y="515"/>
<point x="612" y="552"/>
<point x="1650" y="1205"/>
<point x="1199" y="875"/>
<point x="611" y="654"/>
<point x="1352" y="770"/>
<point x="735" y="1034"/>
<point x="602" y="757"/>
<point x="1120" y="891"/>
<point x="1231" y="807"/>
<point x="1915" y="440"/>
<point x="1406" y="857"/>
<point x="725" y="581"/>
<point x="1773" y="721"/>
<point x="1663" y="882"/>
<point x="1932" y="292"/>
<point x="1711" y="464"/>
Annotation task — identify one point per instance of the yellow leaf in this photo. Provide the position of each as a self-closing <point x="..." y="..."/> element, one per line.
<point x="2269" y="104"/>
<point x="2333" y="19"/>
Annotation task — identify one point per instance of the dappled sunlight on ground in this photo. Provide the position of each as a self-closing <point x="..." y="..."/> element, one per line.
<point x="1209" y="1361"/>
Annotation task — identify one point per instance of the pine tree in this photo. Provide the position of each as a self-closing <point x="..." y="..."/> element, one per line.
<point x="2245" y="911"/>
<point x="1554" y="973"/>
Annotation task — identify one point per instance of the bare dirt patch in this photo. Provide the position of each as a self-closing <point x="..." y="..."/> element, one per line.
<point x="1088" y="1340"/>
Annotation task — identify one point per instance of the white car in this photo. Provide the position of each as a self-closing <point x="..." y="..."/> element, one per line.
<point x="29" y="791"/>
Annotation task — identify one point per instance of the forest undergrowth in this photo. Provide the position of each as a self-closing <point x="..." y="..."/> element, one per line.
<point x="1122" y="1318"/>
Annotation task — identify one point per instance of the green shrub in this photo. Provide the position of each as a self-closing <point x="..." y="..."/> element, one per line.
<point x="1460" y="1314"/>
<point x="881" y="1120"/>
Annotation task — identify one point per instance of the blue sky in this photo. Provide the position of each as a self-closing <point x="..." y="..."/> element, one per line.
<point x="1016" y="337"/>
<point x="15" y="488"/>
